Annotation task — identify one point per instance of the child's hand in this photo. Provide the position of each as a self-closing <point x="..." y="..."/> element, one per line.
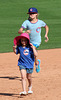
<point x="28" y="31"/>
<point x="14" y="47"/>
<point x="31" y="45"/>
<point x="46" y="38"/>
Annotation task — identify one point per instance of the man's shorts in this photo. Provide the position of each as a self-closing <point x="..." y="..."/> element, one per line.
<point x="28" y="70"/>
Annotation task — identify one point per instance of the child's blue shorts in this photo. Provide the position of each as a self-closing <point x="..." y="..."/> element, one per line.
<point x="36" y="45"/>
<point x="28" y="70"/>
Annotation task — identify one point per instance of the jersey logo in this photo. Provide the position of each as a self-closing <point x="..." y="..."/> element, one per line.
<point x="38" y="29"/>
<point x="26" y="52"/>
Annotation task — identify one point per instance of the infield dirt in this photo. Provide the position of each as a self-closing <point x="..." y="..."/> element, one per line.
<point x="46" y="83"/>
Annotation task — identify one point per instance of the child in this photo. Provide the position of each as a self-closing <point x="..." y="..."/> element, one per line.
<point x="26" y="59"/>
<point x="33" y="28"/>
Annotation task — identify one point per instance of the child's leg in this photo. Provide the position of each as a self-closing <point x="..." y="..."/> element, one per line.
<point x="23" y="76"/>
<point x="36" y="60"/>
<point x="37" y="63"/>
<point x="29" y="79"/>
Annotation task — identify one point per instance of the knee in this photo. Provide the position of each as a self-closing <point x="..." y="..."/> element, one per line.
<point x="29" y="77"/>
<point x="23" y="77"/>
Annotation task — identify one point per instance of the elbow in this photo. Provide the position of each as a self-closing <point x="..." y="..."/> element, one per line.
<point x="19" y="32"/>
<point x="47" y="27"/>
<point x="36" y="55"/>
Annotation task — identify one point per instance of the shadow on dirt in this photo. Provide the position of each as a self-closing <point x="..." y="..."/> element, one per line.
<point x="11" y="78"/>
<point x="11" y="94"/>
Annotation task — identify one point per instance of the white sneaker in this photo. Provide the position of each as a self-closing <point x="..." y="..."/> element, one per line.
<point x="30" y="91"/>
<point x="23" y="93"/>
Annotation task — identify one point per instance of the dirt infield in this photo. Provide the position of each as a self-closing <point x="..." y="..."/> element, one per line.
<point x="46" y="83"/>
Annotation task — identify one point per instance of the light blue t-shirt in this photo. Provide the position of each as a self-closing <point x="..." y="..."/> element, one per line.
<point x="35" y="35"/>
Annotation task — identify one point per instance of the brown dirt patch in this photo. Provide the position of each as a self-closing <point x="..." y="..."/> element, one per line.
<point x="46" y="83"/>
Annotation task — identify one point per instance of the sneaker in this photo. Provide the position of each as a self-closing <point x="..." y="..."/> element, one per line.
<point x="23" y="93"/>
<point x="30" y="91"/>
<point x="38" y="66"/>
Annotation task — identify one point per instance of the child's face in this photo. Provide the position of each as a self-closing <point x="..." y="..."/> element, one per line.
<point x="33" y="15"/>
<point x="24" y="41"/>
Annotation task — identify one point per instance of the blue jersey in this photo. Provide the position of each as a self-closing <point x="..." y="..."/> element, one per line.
<point x="35" y="35"/>
<point x="26" y="58"/>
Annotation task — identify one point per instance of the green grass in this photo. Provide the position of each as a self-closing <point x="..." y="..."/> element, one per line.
<point x="13" y="13"/>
